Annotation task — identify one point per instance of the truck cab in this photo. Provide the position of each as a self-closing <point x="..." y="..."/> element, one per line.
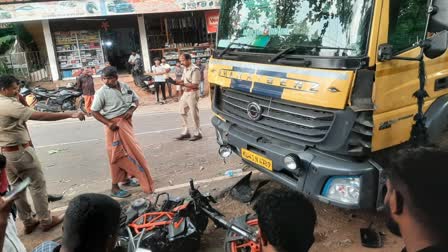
<point x="311" y="92"/>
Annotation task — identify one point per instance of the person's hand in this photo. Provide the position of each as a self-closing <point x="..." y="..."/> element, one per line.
<point x="128" y="114"/>
<point x="113" y="126"/>
<point x="79" y="115"/>
<point x="5" y="208"/>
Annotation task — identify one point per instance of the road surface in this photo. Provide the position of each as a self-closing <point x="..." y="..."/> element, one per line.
<point x="74" y="159"/>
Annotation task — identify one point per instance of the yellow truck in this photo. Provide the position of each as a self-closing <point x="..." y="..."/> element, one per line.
<point x="310" y="91"/>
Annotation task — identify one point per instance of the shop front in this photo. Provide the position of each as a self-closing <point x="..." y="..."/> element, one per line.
<point x="171" y="34"/>
<point x="91" y="42"/>
<point x="89" y="33"/>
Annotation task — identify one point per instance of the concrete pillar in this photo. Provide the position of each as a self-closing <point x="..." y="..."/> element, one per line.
<point x="50" y="50"/>
<point x="144" y="43"/>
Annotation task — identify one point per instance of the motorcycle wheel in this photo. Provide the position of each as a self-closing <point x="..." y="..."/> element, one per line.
<point x="249" y="222"/>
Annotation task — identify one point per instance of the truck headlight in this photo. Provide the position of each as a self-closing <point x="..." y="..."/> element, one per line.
<point x="343" y="189"/>
<point x="291" y="162"/>
<point x="225" y="151"/>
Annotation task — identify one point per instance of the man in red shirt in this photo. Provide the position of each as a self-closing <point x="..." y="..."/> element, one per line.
<point x="86" y="85"/>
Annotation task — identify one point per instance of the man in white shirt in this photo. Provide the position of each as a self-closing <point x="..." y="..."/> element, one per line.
<point x="131" y="60"/>
<point x="168" y="69"/>
<point x="159" y="72"/>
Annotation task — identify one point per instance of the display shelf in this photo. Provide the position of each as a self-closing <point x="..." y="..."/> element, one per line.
<point x="67" y="51"/>
<point x="63" y="44"/>
<point x="67" y="68"/>
<point x="77" y="49"/>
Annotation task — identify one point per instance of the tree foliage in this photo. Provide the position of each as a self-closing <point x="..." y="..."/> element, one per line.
<point x="22" y="34"/>
<point x="6" y="43"/>
<point x="407" y="23"/>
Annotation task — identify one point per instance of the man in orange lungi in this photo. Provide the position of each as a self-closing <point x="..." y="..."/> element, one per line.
<point x="114" y="105"/>
<point x="86" y="85"/>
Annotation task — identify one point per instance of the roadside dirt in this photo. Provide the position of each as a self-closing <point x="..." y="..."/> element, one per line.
<point x="337" y="229"/>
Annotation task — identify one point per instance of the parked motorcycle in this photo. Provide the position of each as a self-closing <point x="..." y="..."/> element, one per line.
<point x="147" y="83"/>
<point x="178" y="224"/>
<point x="60" y="100"/>
<point x="30" y="98"/>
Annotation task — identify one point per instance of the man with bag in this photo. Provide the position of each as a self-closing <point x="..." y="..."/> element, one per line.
<point x="189" y="100"/>
<point x="114" y="106"/>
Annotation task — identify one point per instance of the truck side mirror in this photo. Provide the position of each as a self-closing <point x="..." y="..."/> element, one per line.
<point x="438" y="20"/>
<point x="436" y="45"/>
<point x="385" y="52"/>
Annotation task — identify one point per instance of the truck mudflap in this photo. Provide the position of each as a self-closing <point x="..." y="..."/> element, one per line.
<point x="317" y="173"/>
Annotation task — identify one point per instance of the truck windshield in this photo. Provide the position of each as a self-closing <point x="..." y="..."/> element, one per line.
<point x="309" y="27"/>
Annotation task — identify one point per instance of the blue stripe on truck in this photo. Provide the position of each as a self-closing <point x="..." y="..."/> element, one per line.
<point x="241" y="85"/>
<point x="267" y="90"/>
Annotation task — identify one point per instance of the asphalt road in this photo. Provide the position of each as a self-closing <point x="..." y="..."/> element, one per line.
<point x="74" y="159"/>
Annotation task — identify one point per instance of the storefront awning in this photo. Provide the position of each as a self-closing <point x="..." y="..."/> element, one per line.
<point x="19" y="12"/>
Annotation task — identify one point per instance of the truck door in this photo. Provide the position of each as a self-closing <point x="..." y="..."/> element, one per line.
<point x="403" y="25"/>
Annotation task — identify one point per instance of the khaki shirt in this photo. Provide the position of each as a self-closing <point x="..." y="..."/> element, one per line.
<point x="192" y="75"/>
<point x="112" y="103"/>
<point x="13" y="116"/>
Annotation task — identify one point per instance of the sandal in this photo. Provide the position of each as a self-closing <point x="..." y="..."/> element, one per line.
<point x="131" y="183"/>
<point x="120" y="194"/>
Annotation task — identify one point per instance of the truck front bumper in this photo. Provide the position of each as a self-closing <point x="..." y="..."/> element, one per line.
<point x="316" y="171"/>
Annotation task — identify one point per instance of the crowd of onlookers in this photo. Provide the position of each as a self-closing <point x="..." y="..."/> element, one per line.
<point x="161" y="72"/>
<point x="415" y="208"/>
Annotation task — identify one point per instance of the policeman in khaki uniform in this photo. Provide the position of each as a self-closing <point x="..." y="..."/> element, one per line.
<point x="22" y="161"/>
<point x="189" y="100"/>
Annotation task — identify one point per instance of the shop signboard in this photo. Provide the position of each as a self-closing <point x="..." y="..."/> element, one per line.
<point x="212" y="18"/>
<point x="20" y="12"/>
<point x="48" y="10"/>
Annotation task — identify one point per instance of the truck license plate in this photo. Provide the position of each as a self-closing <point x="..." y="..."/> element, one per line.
<point x="257" y="159"/>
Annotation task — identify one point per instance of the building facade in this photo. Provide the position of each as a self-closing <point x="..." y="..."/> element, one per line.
<point x="88" y="33"/>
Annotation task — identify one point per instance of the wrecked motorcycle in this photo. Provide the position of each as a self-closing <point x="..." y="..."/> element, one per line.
<point x="177" y="225"/>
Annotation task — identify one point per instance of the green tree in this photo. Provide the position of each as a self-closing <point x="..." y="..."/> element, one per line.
<point x="407" y="23"/>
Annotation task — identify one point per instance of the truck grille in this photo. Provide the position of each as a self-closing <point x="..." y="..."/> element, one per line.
<point x="281" y="117"/>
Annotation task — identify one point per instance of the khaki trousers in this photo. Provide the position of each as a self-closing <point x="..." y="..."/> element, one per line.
<point x="20" y="165"/>
<point x="189" y="103"/>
